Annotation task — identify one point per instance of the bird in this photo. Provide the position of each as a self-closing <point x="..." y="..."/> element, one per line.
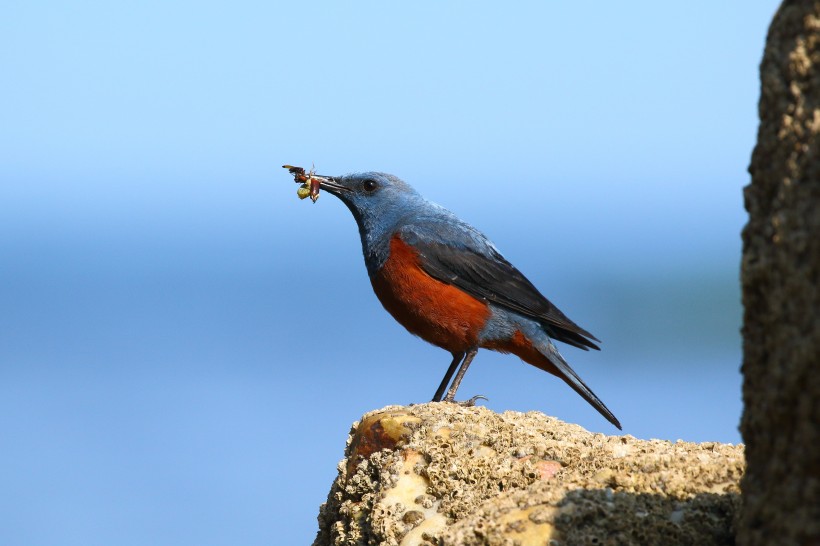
<point x="447" y="283"/>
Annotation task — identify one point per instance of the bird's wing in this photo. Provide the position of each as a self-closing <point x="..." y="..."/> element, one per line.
<point x="458" y="254"/>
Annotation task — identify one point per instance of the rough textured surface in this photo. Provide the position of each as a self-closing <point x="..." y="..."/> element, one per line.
<point x="781" y="290"/>
<point x="445" y="474"/>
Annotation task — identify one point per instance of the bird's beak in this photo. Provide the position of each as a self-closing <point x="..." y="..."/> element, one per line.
<point x="329" y="184"/>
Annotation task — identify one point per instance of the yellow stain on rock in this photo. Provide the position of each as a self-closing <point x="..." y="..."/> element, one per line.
<point x="410" y="504"/>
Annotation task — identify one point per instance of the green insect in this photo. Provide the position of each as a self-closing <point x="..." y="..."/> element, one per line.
<point x="304" y="191"/>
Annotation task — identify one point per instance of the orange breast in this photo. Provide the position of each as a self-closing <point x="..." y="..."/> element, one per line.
<point x="433" y="310"/>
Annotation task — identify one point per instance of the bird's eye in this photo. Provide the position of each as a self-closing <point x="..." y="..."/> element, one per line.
<point x="369" y="185"/>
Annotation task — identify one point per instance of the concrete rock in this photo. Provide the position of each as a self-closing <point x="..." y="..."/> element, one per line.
<point x="445" y="474"/>
<point x="780" y="278"/>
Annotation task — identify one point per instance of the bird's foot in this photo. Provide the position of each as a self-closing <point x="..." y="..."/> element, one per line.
<point x="467" y="403"/>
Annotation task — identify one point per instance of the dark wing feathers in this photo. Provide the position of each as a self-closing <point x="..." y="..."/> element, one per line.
<point x="489" y="276"/>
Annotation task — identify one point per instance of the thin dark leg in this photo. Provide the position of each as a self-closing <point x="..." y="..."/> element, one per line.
<point x="457" y="357"/>
<point x="451" y="394"/>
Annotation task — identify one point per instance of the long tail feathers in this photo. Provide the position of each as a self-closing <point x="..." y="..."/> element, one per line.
<point x="571" y="378"/>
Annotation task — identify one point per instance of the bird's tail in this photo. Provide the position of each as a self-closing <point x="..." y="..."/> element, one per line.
<point x="558" y="366"/>
<point x="532" y="345"/>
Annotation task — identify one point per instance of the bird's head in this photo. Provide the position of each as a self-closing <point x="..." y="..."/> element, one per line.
<point x="377" y="200"/>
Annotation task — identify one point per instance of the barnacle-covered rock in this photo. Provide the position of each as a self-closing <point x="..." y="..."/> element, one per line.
<point x="446" y="474"/>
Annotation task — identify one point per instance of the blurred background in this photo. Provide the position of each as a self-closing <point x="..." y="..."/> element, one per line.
<point x="184" y="344"/>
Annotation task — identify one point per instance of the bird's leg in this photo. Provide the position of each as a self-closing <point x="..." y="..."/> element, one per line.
<point x="451" y="393"/>
<point x="457" y="357"/>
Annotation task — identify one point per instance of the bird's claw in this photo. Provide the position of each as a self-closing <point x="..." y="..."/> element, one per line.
<point x="467" y="403"/>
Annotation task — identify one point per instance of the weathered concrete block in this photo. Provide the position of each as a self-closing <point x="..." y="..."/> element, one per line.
<point x="445" y="474"/>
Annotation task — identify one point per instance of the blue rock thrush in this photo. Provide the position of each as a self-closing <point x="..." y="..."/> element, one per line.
<point x="445" y="282"/>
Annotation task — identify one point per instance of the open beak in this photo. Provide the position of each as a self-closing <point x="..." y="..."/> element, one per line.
<point x="329" y="184"/>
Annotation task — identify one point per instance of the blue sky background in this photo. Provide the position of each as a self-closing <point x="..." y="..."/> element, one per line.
<point x="184" y="344"/>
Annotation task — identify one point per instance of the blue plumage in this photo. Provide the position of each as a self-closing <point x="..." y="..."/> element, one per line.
<point x="446" y="282"/>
